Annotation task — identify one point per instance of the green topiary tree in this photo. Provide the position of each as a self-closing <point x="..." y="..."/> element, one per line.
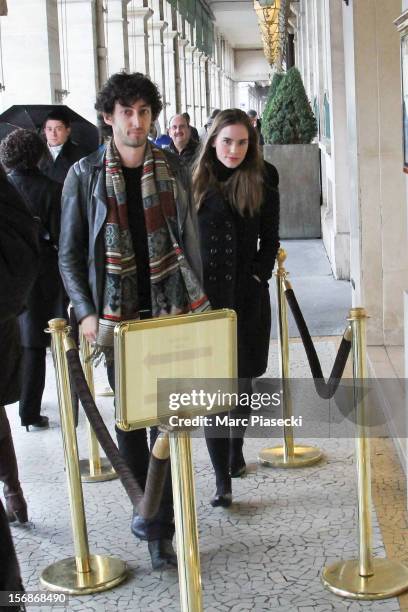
<point x="266" y="115"/>
<point x="291" y="117"/>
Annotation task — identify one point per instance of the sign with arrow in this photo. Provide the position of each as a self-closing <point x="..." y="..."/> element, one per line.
<point x="174" y="347"/>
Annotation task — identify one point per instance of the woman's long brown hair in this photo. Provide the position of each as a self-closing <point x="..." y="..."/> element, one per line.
<point x="244" y="189"/>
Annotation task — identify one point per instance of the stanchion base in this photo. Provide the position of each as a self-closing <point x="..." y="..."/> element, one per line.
<point x="104" y="392"/>
<point x="105" y="473"/>
<point x="302" y="457"/>
<point x="390" y="578"/>
<point x="106" y="572"/>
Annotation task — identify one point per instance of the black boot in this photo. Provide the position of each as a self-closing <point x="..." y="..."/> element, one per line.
<point x="162" y="554"/>
<point x="41" y="423"/>
<point x="237" y="461"/>
<point x="16" y="507"/>
<point x="218" y="449"/>
<point x="223" y="494"/>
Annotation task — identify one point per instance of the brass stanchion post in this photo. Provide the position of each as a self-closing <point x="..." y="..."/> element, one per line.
<point x="186" y="522"/>
<point x="83" y="573"/>
<point x="367" y="577"/>
<point x="94" y="469"/>
<point x="289" y="455"/>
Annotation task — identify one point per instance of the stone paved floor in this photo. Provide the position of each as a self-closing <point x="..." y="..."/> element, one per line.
<point x="264" y="553"/>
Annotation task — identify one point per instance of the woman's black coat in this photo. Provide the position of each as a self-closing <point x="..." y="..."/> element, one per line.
<point x="46" y="298"/>
<point x="233" y="250"/>
<point x="18" y="268"/>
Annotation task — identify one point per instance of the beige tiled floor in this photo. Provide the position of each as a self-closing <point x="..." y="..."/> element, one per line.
<point x="265" y="553"/>
<point x="389" y="479"/>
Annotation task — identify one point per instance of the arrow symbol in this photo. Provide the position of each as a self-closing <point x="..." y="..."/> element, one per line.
<point x="185" y="355"/>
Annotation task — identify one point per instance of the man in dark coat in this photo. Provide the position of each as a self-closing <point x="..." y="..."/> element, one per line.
<point x="18" y="267"/>
<point x="62" y="151"/>
<point x="20" y="152"/>
<point x="182" y="143"/>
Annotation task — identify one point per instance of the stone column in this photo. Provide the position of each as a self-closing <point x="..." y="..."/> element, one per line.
<point x="189" y="51"/>
<point x="139" y="39"/>
<point x="211" y="78"/>
<point x="294" y="22"/>
<point x="222" y="93"/>
<point x="156" y="58"/>
<point x="378" y="224"/>
<point x="170" y="64"/>
<point x="335" y="176"/>
<point x="31" y="53"/>
<point x="197" y="86"/>
<point x="218" y="87"/>
<point x="207" y="68"/>
<point x="232" y="93"/>
<point x="301" y="38"/>
<point x="307" y="7"/>
<point x="203" y="90"/>
<point x="117" y="36"/>
<point x="182" y="43"/>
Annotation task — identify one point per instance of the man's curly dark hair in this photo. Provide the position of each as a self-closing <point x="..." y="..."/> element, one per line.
<point x="127" y="89"/>
<point x="22" y="150"/>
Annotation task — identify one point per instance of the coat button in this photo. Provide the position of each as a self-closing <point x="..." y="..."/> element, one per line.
<point x="228" y="263"/>
<point x="228" y="224"/>
<point x="214" y="238"/>
<point x="212" y="278"/>
<point x="213" y="264"/>
<point x="228" y="277"/>
<point x="213" y="251"/>
<point x="228" y="237"/>
<point x="228" y="251"/>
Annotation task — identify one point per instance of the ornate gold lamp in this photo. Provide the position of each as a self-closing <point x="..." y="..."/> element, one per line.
<point x="272" y="17"/>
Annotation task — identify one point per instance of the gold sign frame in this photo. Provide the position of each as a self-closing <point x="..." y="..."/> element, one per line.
<point x="180" y="356"/>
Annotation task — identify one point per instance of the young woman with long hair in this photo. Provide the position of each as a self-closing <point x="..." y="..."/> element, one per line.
<point x="237" y="199"/>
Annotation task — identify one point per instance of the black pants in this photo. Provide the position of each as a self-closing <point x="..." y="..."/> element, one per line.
<point x="224" y="444"/>
<point x="135" y="451"/>
<point x="33" y="375"/>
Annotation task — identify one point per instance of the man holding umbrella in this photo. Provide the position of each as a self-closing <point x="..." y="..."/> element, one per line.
<point x="63" y="152"/>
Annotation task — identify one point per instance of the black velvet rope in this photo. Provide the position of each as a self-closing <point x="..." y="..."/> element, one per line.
<point x="147" y="503"/>
<point x="326" y="390"/>
<point x="74" y="334"/>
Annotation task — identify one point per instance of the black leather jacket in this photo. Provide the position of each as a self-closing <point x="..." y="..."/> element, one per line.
<point x="84" y="209"/>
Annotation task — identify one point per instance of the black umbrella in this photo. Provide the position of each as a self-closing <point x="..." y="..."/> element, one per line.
<point x="32" y="116"/>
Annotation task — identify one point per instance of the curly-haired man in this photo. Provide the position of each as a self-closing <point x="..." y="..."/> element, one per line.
<point x="126" y="211"/>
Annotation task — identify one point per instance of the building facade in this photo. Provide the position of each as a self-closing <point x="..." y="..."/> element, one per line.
<point x="55" y="51"/>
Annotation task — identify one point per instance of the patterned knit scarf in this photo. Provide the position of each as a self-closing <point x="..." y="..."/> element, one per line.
<point x="174" y="286"/>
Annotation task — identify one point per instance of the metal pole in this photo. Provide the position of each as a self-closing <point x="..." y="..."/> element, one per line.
<point x="283" y="343"/>
<point x="365" y="578"/>
<point x="289" y="455"/>
<point x="84" y="573"/>
<point x="186" y="522"/>
<point x="95" y="469"/>
<point x="358" y="319"/>
<point x="58" y="334"/>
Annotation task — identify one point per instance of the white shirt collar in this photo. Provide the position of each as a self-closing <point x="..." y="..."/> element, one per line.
<point x="55" y="151"/>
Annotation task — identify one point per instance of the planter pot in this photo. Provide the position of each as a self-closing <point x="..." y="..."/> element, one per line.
<point x="300" y="189"/>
